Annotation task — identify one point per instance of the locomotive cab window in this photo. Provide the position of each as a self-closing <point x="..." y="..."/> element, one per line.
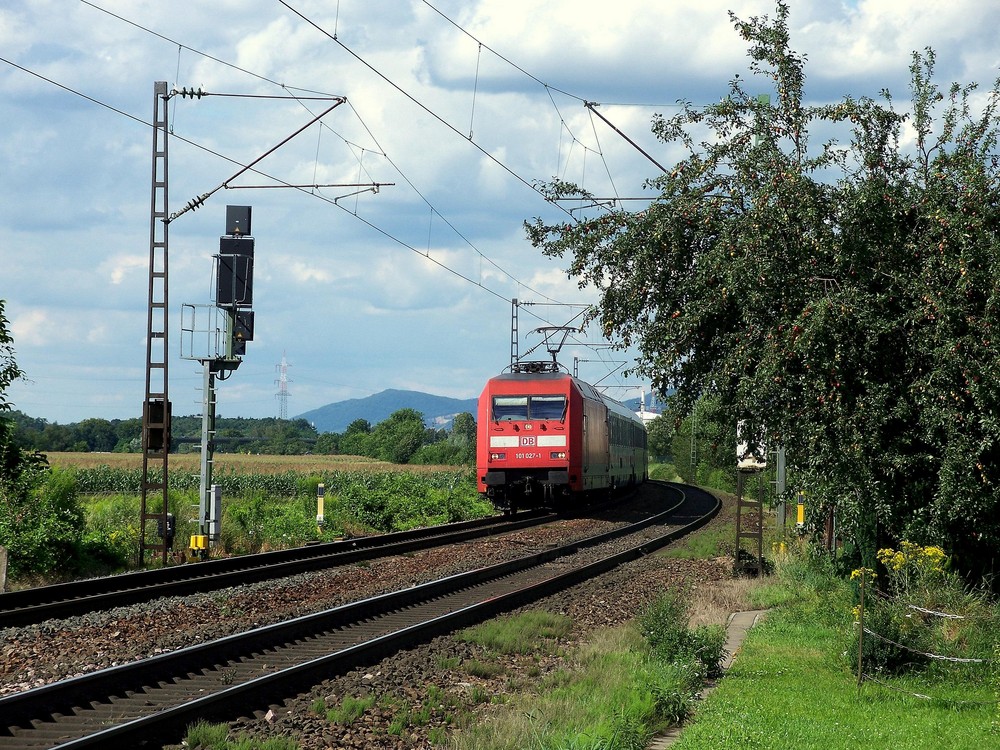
<point x="510" y="408"/>
<point x="547" y="407"/>
<point x="523" y="408"/>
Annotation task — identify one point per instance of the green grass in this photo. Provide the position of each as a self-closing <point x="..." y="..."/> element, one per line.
<point x="794" y="685"/>
<point x="208" y="736"/>
<point x="664" y="473"/>
<point x="519" y="635"/>
<point x="614" y="697"/>
<point x="350" y="709"/>
<point x="707" y="543"/>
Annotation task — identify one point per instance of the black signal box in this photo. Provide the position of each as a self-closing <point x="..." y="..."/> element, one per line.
<point x="243" y="325"/>
<point x="234" y="284"/>
<point x="238" y="221"/>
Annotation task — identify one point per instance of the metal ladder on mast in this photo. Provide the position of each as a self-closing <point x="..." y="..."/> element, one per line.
<point x="156" y="406"/>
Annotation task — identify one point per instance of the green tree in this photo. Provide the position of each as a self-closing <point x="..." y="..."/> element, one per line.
<point x="704" y="446"/>
<point x="463" y="435"/>
<point x="9" y="371"/>
<point x="839" y="297"/>
<point x="11" y="456"/>
<point x="457" y="447"/>
<point x="99" y="434"/>
<point x="660" y="436"/>
<point x="328" y="443"/>
<point x="356" y="439"/>
<point x="41" y="523"/>
<point x="129" y="434"/>
<point x="397" y="438"/>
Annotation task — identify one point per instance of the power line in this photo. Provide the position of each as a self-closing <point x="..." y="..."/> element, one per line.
<point x="324" y="96"/>
<point x="335" y="201"/>
<point x="514" y="65"/>
<point x="549" y="89"/>
<point x="416" y="101"/>
<point x="431" y="206"/>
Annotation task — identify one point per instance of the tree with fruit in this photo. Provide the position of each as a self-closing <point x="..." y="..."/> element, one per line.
<point x="840" y="295"/>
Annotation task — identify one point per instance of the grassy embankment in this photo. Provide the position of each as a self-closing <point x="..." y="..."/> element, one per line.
<point x="794" y="683"/>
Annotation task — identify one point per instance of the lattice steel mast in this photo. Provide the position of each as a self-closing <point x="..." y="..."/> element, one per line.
<point x="156" y="406"/>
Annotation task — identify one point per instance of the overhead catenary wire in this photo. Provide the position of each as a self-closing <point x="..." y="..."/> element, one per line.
<point x="244" y="168"/>
<point x="416" y="101"/>
<point x="249" y="168"/>
<point x="202" y="198"/>
<point x="317" y="95"/>
<point x="549" y="88"/>
<point x="280" y="183"/>
<point x="450" y="225"/>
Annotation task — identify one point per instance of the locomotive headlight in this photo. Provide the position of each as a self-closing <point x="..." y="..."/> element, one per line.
<point x="498" y="456"/>
<point x="557" y="454"/>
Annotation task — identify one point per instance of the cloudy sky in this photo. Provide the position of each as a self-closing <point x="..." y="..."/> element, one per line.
<point x="457" y="108"/>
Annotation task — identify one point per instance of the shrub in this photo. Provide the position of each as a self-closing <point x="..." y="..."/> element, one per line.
<point x="927" y="610"/>
<point x="41" y="523"/>
<point x="664" y="625"/>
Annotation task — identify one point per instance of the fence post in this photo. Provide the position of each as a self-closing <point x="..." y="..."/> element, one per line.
<point x="861" y="627"/>
<point x="3" y="569"/>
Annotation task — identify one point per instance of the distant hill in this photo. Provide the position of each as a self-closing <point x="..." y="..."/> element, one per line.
<point x="438" y="411"/>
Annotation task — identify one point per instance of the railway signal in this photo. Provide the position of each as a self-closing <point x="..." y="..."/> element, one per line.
<point x="223" y="328"/>
<point x="234" y="292"/>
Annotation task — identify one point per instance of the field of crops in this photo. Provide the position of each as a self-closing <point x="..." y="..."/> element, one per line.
<point x="268" y="501"/>
<point x="257" y="464"/>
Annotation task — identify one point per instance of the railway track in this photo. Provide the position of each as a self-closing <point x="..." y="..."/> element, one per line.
<point x="30" y="606"/>
<point x="159" y="697"/>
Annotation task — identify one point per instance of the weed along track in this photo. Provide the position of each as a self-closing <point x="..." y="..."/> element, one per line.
<point x="246" y="673"/>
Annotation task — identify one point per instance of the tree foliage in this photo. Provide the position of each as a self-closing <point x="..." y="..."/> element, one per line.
<point x="842" y="297"/>
<point x="40" y="519"/>
<point x="456" y="447"/>
<point x="660" y="435"/>
<point x="704" y="446"/>
<point x="9" y="371"/>
<point x="397" y="438"/>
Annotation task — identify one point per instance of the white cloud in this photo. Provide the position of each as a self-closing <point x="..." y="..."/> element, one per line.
<point x="340" y="281"/>
<point x="32" y="328"/>
<point x="120" y="267"/>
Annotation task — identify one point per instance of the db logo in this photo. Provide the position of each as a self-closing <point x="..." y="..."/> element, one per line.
<point x="527" y="440"/>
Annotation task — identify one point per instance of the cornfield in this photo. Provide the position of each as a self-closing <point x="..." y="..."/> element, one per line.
<point x="249" y="476"/>
<point x="190" y="462"/>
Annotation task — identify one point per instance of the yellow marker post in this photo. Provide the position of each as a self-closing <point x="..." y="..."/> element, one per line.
<point x="800" y="519"/>
<point x="320" y="521"/>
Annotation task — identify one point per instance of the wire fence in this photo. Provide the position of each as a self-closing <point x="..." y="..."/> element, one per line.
<point x="864" y="632"/>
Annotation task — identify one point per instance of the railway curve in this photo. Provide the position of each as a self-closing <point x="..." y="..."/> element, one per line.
<point x="242" y="670"/>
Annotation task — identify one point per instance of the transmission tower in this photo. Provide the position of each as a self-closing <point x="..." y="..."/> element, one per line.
<point x="282" y="381"/>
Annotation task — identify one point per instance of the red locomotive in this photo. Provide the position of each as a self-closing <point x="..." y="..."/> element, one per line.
<point x="544" y="436"/>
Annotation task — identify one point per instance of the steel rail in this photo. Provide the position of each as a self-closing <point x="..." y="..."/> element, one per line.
<point x="120" y="699"/>
<point x="29" y="606"/>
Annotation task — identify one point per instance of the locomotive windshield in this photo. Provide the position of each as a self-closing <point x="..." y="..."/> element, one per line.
<point x="522" y="408"/>
<point x="546" y="407"/>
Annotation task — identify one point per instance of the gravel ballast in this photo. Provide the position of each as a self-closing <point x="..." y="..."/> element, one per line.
<point x="428" y="676"/>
